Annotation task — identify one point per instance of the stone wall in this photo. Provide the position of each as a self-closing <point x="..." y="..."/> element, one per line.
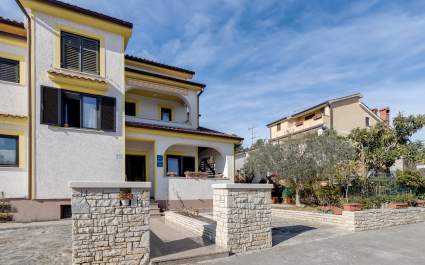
<point x="380" y="218"/>
<point x="199" y="227"/>
<point x="309" y="216"/>
<point x="243" y="216"/>
<point x="104" y="231"/>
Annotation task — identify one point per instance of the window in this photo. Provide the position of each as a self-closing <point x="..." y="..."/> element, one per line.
<point x="9" y="151"/>
<point x="367" y="120"/>
<point x="130" y="109"/>
<point x="70" y="109"/>
<point x="309" y="117"/>
<point x="278" y="127"/>
<point x="79" y="53"/>
<point x="180" y="164"/>
<point x="166" y="114"/>
<point x="9" y="70"/>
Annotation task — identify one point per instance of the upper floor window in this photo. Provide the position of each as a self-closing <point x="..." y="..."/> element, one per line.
<point x="79" y="53"/>
<point x="278" y="127"/>
<point x="309" y="116"/>
<point x="166" y="114"/>
<point x="367" y="121"/>
<point x="9" y="70"/>
<point x="8" y="151"/>
<point x="130" y="108"/>
<point x="70" y="109"/>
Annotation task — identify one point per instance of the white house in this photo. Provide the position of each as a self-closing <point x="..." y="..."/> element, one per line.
<point x="74" y="107"/>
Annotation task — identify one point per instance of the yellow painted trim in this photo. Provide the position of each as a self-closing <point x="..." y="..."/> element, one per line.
<point x="180" y="135"/>
<point x="21" y="145"/>
<point x="78" y="18"/>
<point x="165" y="106"/>
<point x="159" y="69"/>
<point x="13" y="29"/>
<point x="32" y="190"/>
<point x="22" y="65"/>
<point x="57" y="52"/>
<point x="14" y="120"/>
<point x="13" y="41"/>
<point x="79" y="85"/>
<point x="147" y="161"/>
<point x="159" y="80"/>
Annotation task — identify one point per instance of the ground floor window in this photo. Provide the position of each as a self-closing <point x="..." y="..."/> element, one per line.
<point x="177" y="165"/>
<point x="9" y="151"/>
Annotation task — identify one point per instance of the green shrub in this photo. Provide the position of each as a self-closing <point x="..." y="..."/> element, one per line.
<point x="328" y="195"/>
<point x="288" y="192"/>
<point x="376" y="202"/>
<point x="410" y="179"/>
<point x="5" y="207"/>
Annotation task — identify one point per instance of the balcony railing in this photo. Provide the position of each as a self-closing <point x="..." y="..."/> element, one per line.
<point x="186" y="124"/>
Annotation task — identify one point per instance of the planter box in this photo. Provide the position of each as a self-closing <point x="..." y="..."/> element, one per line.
<point x="398" y="205"/>
<point x="331" y="209"/>
<point x="352" y="207"/>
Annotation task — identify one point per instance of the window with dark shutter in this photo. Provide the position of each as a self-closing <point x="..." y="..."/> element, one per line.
<point x="130" y="108"/>
<point x="107" y="114"/>
<point x="50" y="105"/>
<point x="79" y="53"/>
<point x="9" y="70"/>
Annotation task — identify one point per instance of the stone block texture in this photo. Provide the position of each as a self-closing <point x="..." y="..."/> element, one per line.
<point x="104" y="232"/>
<point x="243" y="219"/>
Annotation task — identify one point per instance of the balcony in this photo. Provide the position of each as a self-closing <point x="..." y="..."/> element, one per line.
<point x="186" y="124"/>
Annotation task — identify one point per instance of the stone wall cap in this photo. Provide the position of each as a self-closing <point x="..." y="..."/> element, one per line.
<point x="241" y="186"/>
<point x="108" y="184"/>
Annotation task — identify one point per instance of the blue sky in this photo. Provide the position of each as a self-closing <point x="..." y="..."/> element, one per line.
<point x="265" y="59"/>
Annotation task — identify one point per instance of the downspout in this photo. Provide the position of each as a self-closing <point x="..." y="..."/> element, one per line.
<point x="331" y="112"/>
<point x="29" y="81"/>
<point x="199" y="94"/>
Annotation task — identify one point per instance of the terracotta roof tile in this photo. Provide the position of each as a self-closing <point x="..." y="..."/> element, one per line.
<point x="72" y="74"/>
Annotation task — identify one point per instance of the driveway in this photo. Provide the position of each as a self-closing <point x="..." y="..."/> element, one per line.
<point x="391" y="246"/>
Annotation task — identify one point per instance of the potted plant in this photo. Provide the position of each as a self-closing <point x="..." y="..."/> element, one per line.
<point x="171" y="174"/>
<point x="125" y="198"/>
<point x="352" y="207"/>
<point x="275" y="200"/>
<point x="287" y="194"/>
<point x="420" y="203"/>
<point x="398" y="205"/>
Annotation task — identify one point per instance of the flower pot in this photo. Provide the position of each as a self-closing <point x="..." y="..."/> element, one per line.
<point x="398" y="205"/>
<point x="275" y="200"/>
<point x="352" y="207"/>
<point x="287" y="200"/>
<point x="420" y="203"/>
<point x="125" y="202"/>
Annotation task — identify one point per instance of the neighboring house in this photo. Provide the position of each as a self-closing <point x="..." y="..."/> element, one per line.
<point x="340" y="114"/>
<point x="73" y="107"/>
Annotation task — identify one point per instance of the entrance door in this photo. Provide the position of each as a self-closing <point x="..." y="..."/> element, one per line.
<point x="135" y="167"/>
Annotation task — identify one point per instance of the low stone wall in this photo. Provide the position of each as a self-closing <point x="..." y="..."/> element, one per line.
<point x="380" y="218"/>
<point x="103" y="230"/>
<point x="198" y="227"/>
<point x="360" y="220"/>
<point x="243" y="216"/>
<point x="309" y="216"/>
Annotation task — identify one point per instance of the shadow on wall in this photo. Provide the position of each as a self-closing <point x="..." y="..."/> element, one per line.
<point x="280" y="234"/>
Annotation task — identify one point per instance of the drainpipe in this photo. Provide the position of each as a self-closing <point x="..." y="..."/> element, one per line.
<point x="199" y="94"/>
<point x="29" y="82"/>
<point x="331" y="112"/>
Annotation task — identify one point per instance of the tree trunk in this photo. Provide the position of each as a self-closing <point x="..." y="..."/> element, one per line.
<point x="297" y="197"/>
<point x="346" y="193"/>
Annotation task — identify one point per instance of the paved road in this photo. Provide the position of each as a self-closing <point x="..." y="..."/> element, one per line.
<point x="391" y="246"/>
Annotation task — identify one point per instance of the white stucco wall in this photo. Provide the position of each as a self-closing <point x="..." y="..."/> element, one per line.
<point x="13" y="96"/>
<point x="65" y="154"/>
<point x="192" y="188"/>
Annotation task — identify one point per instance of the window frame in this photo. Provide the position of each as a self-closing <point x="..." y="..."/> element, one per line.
<point x="80" y="55"/>
<point x="162" y="112"/>
<point x="18" y="70"/>
<point x="278" y="127"/>
<point x="367" y="121"/>
<point x="16" y="137"/>
<point x="180" y="161"/>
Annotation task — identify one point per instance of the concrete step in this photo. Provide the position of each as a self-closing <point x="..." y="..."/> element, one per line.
<point x="154" y="209"/>
<point x="191" y="256"/>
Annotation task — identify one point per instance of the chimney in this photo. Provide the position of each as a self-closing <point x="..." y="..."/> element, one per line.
<point x="375" y="110"/>
<point x="384" y="114"/>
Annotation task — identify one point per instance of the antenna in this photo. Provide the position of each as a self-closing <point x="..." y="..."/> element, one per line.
<point x="253" y="136"/>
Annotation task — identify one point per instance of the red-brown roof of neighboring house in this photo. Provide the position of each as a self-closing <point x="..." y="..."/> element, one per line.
<point x="88" y="12"/>
<point x="198" y="131"/>
<point x="147" y="61"/>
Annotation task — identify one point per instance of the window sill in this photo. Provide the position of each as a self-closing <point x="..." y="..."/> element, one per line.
<point x="77" y="81"/>
<point x="76" y="129"/>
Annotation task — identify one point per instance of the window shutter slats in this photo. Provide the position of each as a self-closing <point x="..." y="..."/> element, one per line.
<point x="90" y="56"/>
<point x="9" y="70"/>
<point x="50" y="106"/>
<point x="80" y="53"/>
<point x="107" y="111"/>
<point x="70" y="52"/>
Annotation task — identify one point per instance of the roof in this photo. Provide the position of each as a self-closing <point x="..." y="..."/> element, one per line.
<point x="164" y="77"/>
<point x="77" y="75"/>
<point x="12" y="22"/>
<point x="198" y="131"/>
<point x="87" y="12"/>
<point x="324" y="103"/>
<point x="150" y="62"/>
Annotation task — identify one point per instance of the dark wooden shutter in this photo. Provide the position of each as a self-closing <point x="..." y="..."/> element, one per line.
<point x="9" y="70"/>
<point x="50" y="105"/>
<point x="107" y="113"/>
<point x="70" y="52"/>
<point x="89" y="56"/>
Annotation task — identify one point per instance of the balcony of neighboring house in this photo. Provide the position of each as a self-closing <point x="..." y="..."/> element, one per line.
<point x="150" y="107"/>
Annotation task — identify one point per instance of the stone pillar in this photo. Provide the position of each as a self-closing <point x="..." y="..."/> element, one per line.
<point x="243" y="216"/>
<point x="104" y="229"/>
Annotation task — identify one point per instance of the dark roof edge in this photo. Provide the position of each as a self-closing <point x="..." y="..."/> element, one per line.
<point x="316" y="106"/>
<point x="146" y="61"/>
<point x="183" y="130"/>
<point x="164" y="77"/>
<point x="296" y="133"/>
<point x="12" y="22"/>
<point x="88" y="12"/>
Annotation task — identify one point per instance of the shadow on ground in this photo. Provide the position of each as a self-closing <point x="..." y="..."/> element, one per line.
<point x="280" y="234"/>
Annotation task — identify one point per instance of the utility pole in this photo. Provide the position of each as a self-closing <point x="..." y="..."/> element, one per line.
<point x="253" y="137"/>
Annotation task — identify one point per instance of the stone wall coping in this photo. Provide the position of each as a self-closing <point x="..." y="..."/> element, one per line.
<point x="108" y="184"/>
<point x="241" y="186"/>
